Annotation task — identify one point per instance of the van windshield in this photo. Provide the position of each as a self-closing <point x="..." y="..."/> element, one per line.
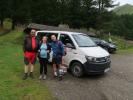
<point x="83" y="40"/>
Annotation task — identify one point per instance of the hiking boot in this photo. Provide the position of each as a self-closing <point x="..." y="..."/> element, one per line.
<point x="44" y="77"/>
<point x="25" y="76"/>
<point x="40" y="77"/>
<point x="31" y="75"/>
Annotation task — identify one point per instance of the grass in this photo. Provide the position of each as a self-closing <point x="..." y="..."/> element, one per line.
<point x="126" y="51"/>
<point x="12" y="87"/>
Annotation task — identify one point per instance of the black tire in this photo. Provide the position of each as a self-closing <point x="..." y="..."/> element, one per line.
<point x="77" y="69"/>
<point x="112" y="51"/>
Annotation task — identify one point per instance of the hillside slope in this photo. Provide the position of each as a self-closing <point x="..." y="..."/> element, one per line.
<point x="125" y="9"/>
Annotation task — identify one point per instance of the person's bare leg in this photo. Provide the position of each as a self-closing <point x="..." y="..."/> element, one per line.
<point x="54" y="70"/>
<point x="26" y="67"/>
<point x="31" y="70"/>
<point x="59" y="65"/>
<point x="63" y="60"/>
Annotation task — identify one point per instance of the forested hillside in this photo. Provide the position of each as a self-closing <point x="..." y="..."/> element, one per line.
<point x="87" y="14"/>
<point x="125" y="9"/>
<point x="75" y="13"/>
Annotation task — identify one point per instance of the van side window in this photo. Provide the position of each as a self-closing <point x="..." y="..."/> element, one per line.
<point x="66" y="39"/>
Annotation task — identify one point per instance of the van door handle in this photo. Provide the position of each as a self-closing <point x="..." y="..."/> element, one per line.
<point x="75" y="53"/>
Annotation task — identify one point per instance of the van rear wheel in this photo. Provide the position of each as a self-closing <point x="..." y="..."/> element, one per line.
<point x="77" y="69"/>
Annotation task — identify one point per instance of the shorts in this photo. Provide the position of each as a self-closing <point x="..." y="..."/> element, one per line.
<point x="29" y="57"/>
<point x="57" y="60"/>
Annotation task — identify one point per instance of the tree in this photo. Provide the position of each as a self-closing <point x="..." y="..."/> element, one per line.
<point x="104" y="4"/>
<point x="63" y="10"/>
<point x="103" y="15"/>
<point x="120" y="25"/>
<point x="3" y="11"/>
<point x="45" y="12"/>
<point x="74" y="13"/>
<point x="19" y="12"/>
<point x="88" y="13"/>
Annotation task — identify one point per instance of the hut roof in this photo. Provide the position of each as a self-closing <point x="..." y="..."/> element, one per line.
<point x="53" y="28"/>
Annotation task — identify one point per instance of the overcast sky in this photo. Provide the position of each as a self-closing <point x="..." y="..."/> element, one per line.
<point x="122" y="2"/>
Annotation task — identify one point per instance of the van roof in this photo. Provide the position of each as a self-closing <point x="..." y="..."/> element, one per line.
<point x="61" y="32"/>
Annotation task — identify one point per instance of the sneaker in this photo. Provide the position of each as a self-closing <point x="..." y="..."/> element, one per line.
<point x="31" y="75"/>
<point x="40" y="77"/>
<point x="55" y="74"/>
<point x="44" y="77"/>
<point x="25" y="76"/>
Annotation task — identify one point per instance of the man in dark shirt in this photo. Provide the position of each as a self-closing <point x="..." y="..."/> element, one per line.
<point x="30" y="48"/>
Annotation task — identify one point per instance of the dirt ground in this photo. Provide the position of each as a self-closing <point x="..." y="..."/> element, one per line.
<point x="115" y="85"/>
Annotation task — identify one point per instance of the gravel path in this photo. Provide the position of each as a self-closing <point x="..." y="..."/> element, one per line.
<point x="115" y="85"/>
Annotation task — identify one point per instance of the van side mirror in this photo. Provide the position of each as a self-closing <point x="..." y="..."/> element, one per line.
<point x="69" y="45"/>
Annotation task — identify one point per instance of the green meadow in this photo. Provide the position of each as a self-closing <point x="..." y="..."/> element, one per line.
<point x="12" y="87"/>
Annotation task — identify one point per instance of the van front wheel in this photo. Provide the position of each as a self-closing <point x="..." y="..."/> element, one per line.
<point x="77" y="69"/>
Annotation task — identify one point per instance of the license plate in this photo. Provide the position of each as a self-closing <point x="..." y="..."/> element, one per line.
<point x="106" y="70"/>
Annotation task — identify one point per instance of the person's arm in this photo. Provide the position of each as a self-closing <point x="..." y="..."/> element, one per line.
<point x="38" y="51"/>
<point x="48" y="48"/>
<point x="62" y="48"/>
<point x="24" y="44"/>
<point x="39" y="46"/>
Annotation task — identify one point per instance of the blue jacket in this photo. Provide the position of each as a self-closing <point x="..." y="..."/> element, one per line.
<point x="57" y="48"/>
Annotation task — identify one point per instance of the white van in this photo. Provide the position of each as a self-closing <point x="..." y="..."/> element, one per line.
<point x="83" y="55"/>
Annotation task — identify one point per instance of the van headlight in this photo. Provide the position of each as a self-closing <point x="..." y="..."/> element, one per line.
<point x="98" y="60"/>
<point x="91" y="59"/>
<point x="108" y="58"/>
